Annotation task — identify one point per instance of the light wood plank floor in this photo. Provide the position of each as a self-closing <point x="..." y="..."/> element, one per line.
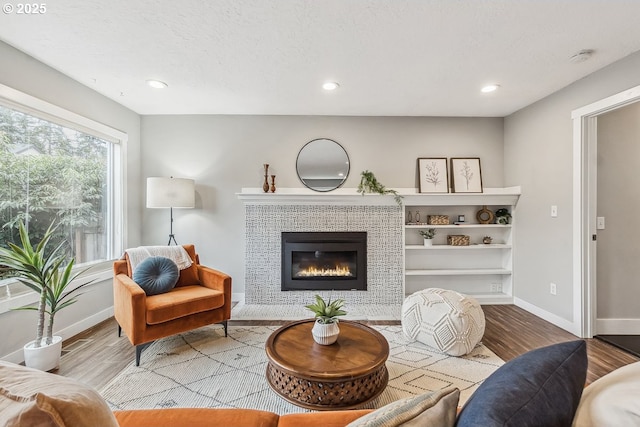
<point x="97" y="355"/>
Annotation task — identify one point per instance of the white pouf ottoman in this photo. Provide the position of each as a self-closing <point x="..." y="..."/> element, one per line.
<point x="443" y="319"/>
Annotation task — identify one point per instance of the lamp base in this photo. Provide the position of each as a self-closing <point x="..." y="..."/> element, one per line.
<point x="172" y="238"/>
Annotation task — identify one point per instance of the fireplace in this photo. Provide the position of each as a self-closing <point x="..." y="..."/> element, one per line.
<point x="324" y="261"/>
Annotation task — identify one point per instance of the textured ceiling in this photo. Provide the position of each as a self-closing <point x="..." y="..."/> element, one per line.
<point x="391" y="57"/>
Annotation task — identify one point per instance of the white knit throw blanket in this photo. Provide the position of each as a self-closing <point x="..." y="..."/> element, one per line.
<point x="175" y="253"/>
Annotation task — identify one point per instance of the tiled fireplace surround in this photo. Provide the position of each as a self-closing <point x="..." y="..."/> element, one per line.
<point x="265" y="222"/>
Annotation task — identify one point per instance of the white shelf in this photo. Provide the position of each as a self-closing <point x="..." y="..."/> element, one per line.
<point x="457" y="226"/>
<point x="459" y="272"/>
<point x="463" y="248"/>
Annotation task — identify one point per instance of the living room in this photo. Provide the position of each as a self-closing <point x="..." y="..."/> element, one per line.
<point x="530" y="146"/>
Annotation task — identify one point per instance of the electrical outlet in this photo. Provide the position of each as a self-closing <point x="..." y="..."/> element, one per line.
<point x="496" y="287"/>
<point x="552" y="288"/>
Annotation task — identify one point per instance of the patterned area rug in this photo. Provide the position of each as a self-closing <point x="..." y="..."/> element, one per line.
<point x="202" y="368"/>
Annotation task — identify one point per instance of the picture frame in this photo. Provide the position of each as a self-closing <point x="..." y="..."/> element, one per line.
<point x="466" y="175"/>
<point x="433" y="174"/>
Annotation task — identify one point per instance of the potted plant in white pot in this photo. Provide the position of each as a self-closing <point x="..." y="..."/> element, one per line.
<point x="325" y="330"/>
<point x="49" y="275"/>
<point x="428" y="236"/>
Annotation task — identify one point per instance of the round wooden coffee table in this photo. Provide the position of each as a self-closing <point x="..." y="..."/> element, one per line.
<point x="342" y="375"/>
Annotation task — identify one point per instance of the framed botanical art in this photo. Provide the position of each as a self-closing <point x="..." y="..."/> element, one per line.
<point x="466" y="176"/>
<point x="433" y="174"/>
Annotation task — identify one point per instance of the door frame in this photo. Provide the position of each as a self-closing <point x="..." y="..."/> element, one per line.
<point x="585" y="169"/>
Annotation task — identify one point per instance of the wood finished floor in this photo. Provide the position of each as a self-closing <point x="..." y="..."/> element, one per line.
<point x="97" y="355"/>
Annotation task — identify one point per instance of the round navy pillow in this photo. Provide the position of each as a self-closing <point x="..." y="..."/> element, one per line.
<point x="156" y="275"/>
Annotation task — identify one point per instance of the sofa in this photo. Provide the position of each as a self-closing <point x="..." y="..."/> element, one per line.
<point x="544" y="387"/>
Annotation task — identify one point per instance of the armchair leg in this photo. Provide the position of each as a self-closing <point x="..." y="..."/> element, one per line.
<point x="139" y="349"/>
<point x="119" y="331"/>
<point x="224" y="323"/>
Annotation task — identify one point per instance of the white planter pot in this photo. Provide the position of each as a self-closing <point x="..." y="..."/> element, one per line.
<point x="44" y="358"/>
<point x="428" y="242"/>
<point x="325" y="333"/>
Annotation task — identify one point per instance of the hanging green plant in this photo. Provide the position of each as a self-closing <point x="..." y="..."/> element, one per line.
<point x="369" y="184"/>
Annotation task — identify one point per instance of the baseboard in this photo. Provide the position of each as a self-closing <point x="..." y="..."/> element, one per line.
<point x="549" y="317"/>
<point x="617" y="327"/>
<point x="68" y="332"/>
<point x="238" y="297"/>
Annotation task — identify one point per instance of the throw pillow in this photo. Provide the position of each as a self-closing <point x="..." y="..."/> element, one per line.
<point x="29" y="397"/>
<point x="437" y="409"/>
<point x="156" y="275"/>
<point x="611" y="400"/>
<point x="539" y="388"/>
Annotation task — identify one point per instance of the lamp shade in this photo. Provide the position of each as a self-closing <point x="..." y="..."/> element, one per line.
<point x="170" y="193"/>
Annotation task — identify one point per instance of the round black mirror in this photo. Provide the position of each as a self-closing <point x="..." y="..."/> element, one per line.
<point x="322" y="165"/>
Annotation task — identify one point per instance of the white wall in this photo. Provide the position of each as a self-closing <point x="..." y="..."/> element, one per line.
<point x="538" y="156"/>
<point x="225" y="153"/>
<point x="26" y="74"/>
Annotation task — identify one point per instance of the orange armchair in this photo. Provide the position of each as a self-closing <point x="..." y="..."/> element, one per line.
<point x="201" y="297"/>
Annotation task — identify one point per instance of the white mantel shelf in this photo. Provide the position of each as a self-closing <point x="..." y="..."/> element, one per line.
<point x="351" y="197"/>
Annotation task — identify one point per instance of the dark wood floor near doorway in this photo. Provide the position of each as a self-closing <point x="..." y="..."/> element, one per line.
<point x="97" y="355"/>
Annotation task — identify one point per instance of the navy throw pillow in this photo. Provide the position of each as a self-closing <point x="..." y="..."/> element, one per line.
<point x="156" y="275"/>
<point x="539" y="388"/>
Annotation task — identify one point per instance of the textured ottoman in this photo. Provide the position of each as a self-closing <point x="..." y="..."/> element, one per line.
<point x="445" y="320"/>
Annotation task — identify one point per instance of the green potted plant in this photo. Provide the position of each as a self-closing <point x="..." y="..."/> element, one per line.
<point x="370" y="184"/>
<point x="428" y="236"/>
<point x="325" y="330"/>
<point x="503" y="216"/>
<point x="49" y="274"/>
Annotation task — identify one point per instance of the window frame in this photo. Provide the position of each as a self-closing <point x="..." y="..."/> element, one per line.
<point x="116" y="176"/>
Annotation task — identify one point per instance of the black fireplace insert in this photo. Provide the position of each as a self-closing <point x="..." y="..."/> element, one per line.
<point x="322" y="261"/>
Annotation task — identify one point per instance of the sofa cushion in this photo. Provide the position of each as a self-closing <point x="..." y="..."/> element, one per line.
<point x="182" y="301"/>
<point x="613" y="400"/>
<point x="430" y="409"/>
<point x="539" y="388"/>
<point x="156" y="275"/>
<point x="29" y="397"/>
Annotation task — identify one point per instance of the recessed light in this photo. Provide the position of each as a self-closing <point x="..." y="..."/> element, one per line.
<point x="489" y="88"/>
<point x="330" y="86"/>
<point x="157" y="84"/>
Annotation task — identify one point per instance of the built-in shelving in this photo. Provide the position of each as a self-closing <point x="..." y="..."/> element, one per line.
<point x="484" y="271"/>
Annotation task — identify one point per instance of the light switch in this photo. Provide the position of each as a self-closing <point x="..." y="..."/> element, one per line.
<point x="554" y="211"/>
<point x="600" y="223"/>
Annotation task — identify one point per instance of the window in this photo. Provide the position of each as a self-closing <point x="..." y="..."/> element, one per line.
<point x="59" y="169"/>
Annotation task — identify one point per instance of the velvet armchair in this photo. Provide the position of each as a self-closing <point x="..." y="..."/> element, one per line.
<point x="202" y="296"/>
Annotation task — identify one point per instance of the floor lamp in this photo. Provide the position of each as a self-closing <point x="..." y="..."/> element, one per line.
<point x="170" y="193"/>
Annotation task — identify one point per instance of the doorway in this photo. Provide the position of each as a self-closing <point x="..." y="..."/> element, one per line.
<point x="585" y="126"/>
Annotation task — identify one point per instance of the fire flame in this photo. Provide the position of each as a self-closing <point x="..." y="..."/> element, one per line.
<point x="313" y="271"/>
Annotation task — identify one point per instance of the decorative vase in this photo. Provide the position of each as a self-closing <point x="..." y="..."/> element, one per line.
<point x="428" y="242"/>
<point x="44" y="358"/>
<point x="485" y="216"/>
<point x="325" y="333"/>
<point x="273" y="183"/>
<point x="265" y="185"/>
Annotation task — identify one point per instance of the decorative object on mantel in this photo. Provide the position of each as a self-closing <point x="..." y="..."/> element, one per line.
<point x="503" y="216"/>
<point x="487" y="240"/>
<point x="369" y="184"/>
<point x="48" y="273"/>
<point x="485" y="216"/>
<point x="273" y="183"/>
<point x="434" y="175"/>
<point x="325" y="330"/>
<point x="466" y="176"/>
<point x="265" y="186"/>
<point x="428" y="236"/>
